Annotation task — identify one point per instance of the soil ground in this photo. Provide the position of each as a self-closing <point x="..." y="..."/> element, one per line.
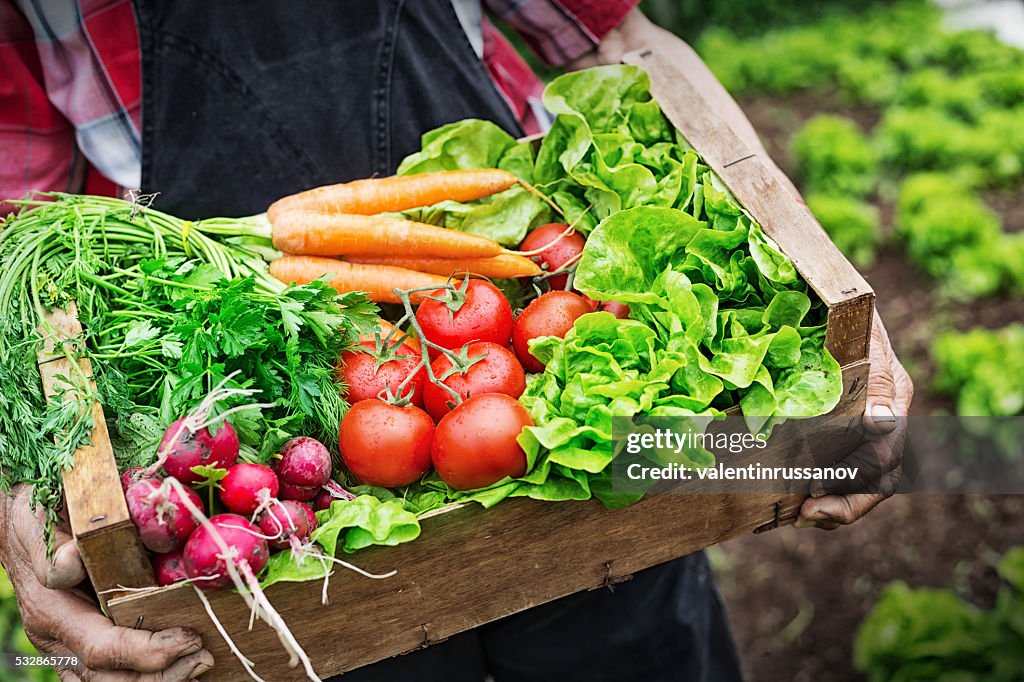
<point x="796" y="597"/>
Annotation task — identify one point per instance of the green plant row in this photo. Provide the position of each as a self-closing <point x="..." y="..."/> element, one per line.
<point x="931" y="635"/>
<point x="983" y="368"/>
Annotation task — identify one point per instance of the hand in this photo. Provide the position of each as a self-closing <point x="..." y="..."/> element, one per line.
<point x="889" y="393"/>
<point x="65" y="621"/>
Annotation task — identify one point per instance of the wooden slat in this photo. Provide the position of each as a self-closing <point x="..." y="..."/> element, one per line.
<point x="107" y="540"/>
<point x="471" y="566"/>
<point x="686" y="92"/>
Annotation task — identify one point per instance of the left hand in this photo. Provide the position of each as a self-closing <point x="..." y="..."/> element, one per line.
<point x="889" y="393"/>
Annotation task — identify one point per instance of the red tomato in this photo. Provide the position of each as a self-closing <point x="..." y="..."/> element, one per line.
<point x="498" y="372"/>
<point x="384" y="444"/>
<point x="485" y="315"/>
<point x="475" y="444"/>
<point x="550" y="314"/>
<point x="558" y="253"/>
<point x="619" y="310"/>
<point x="357" y="370"/>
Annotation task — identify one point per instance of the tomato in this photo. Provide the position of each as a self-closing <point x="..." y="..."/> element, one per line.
<point x="498" y="372"/>
<point x="619" y="310"/>
<point x="550" y="314"/>
<point x="565" y="249"/>
<point x="385" y="444"/>
<point x="475" y="444"/>
<point x="356" y="368"/>
<point x="485" y="315"/>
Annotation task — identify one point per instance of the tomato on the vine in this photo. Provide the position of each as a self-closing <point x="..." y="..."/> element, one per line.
<point x="357" y="368"/>
<point x="497" y="372"/>
<point x="384" y="444"/>
<point x="475" y="311"/>
<point x="475" y="444"/>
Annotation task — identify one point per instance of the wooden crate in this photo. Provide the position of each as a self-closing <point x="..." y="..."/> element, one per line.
<point x="470" y="565"/>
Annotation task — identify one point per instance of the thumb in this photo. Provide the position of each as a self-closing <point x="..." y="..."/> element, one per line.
<point x="880" y="411"/>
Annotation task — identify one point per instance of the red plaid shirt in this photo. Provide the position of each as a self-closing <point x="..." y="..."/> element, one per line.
<point x="70" y="91"/>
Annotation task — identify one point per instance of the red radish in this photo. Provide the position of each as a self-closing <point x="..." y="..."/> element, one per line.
<point x="162" y="519"/>
<point x="550" y="314"/>
<point x="304" y="462"/>
<point x="204" y="557"/>
<point x="246" y="486"/>
<point x="323" y="499"/>
<point x="311" y="515"/>
<point x="299" y="493"/>
<point x="185" y="448"/>
<point x="329" y="493"/>
<point x="169" y="568"/>
<point x="136" y="474"/>
<point x="285" y="520"/>
<point x="556" y="247"/>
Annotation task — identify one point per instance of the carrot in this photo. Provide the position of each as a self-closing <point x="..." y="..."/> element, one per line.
<point x="319" y="234"/>
<point x="378" y="281"/>
<point x="385" y="328"/>
<point x="505" y="266"/>
<point x="397" y="193"/>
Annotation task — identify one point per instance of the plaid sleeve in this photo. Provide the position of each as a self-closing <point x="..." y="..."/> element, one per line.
<point x="37" y="143"/>
<point x="561" y="31"/>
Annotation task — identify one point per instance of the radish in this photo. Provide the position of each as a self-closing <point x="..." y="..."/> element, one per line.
<point x="169" y="568"/>
<point x="204" y="557"/>
<point x="329" y="493"/>
<point x="164" y="522"/>
<point x="246" y="486"/>
<point x="185" y="446"/>
<point x="304" y="463"/>
<point x="311" y="515"/>
<point x="134" y="475"/>
<point x="201" y="438"/>
<point x="285" y="520"/>
<point x="299" y="493"/>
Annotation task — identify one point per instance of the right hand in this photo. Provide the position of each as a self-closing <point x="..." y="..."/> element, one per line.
<point x="62" y="620"/>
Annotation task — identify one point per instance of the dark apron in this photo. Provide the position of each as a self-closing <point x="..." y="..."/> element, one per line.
<point x="246" y="102"/>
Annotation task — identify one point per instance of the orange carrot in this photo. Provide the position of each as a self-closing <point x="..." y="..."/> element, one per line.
<point x="397" y="193"/>
<point x="385" y="328"/>
<point x="505" y="266"/>
<point x="319" y="234"/>
<point x="378" y="281"/>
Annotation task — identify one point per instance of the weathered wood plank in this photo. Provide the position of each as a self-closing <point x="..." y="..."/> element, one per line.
<point x="110" y="547"/>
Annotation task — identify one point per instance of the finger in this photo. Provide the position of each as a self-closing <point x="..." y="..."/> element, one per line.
<point x="880" y="411"/>
<point x="64" y="568"/>
<point x="833" y="511"/>
<point x="186" y="668"/>
<point x="105" y="646"/>
<point x="66" y="675"/>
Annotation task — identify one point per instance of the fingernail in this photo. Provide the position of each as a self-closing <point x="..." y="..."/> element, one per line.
<point x="200" y="669"/>
<point x="882" y="413"/>
<point x="801" y="522"/>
